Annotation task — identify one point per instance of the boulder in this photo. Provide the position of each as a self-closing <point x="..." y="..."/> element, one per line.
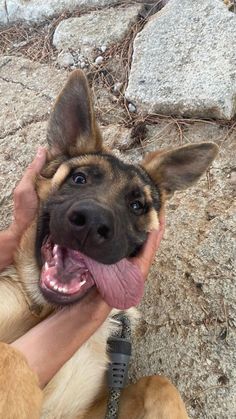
<point x="186" y="65"/>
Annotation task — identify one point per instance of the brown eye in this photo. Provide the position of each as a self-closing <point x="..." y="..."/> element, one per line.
<point x="79" y="178"/>
<point x="137" y="207"/>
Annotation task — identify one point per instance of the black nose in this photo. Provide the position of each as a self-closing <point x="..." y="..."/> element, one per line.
<point x="91" y="222"/>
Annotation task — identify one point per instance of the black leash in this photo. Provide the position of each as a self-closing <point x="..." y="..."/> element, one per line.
<point x="119" y="349"/>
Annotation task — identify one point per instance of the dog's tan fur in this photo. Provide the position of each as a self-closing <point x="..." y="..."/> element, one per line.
<point x="78" y="390"/>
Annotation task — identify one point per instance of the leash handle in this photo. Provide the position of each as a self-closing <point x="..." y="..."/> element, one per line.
<point x="119" y="350"/>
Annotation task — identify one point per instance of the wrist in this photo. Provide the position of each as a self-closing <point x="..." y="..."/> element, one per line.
<point x="14" y="232"/>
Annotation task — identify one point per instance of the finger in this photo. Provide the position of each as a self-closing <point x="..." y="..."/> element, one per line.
<point x="36" y="166"/>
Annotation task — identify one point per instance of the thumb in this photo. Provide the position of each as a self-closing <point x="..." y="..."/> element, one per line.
<point x="36" y="166"/>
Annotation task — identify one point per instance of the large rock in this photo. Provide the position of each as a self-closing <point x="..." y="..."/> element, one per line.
<point x="38" y="10"/>
<point x="30" y="91"/>
<point x="184" y="61"/>
<point x="95" y="30"/>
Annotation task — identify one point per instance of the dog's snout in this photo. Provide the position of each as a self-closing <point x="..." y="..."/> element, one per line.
<point x="92" y="222"/>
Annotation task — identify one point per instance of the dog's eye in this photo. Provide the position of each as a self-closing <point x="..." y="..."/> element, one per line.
<point x="137" y="207"/>
<point x="79" y="178"/>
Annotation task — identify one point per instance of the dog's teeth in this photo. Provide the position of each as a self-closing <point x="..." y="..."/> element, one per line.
<point x="46" y="265"/>
<point x="60" y="289"/>
<point x="65" y="290"/>
<point x="52" y="283"/>
<point x="55" y="287"/>
<point x="82" y="283"/>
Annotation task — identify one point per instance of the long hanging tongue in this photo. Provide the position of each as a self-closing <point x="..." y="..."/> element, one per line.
<point x="70" y="272"/>
<point x="121" y="285"/>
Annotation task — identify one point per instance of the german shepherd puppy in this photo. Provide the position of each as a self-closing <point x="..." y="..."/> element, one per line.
<point x="97" y="208"/>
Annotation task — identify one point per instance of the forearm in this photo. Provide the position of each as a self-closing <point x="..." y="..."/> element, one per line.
<point x="8" y="245"/>
<point x="69" y="328"/>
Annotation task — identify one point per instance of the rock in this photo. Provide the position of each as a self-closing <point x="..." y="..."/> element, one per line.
<point x="38" y="10"/>
<point x="117" y="137"/>
<point x="94" y="30"/>
<point x="103" y="48"/>
<point x="131" y="107"/>
<point x="117" y="87"/>
<point x="190" y="60"/>
<point x="65" y="59"/>
<point x="29" y="98"/>
<point x="98" y="60"/>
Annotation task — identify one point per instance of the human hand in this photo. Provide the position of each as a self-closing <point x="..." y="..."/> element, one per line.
<point x="25" y="197"/>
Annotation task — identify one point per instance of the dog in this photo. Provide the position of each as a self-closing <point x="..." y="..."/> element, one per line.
<point x="91" y="205"/>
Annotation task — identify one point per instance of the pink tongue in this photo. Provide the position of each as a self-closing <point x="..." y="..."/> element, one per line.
<point x="121" y="285"/>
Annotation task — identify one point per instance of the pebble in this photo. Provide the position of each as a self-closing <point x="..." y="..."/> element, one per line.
<point x="99" y="60"/>
<point x="131" y="107"/>
<point x="103" y="48"/>
<point x="117" y="87"/>
<point x="65" y="60"/>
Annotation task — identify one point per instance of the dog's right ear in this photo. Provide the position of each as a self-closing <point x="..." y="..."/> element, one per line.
<point x="72" y="128"/>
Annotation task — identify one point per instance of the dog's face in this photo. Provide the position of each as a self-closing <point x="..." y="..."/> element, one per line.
<point x="94" y="204"/>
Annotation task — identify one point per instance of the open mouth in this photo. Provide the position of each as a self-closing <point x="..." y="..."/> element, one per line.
<point x="67" y="275"/>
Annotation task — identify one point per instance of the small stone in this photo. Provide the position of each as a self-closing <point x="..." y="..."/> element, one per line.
<point x="103" y="48"/>
<point x="82" y="64"/>
<point x="99" y="60"/>
<point x="131" y="107"/>
<point x="65" y="59"/>
<point x="117" y="87"/>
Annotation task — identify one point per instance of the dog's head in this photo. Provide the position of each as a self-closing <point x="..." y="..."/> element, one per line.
<point x="94" y="204"/>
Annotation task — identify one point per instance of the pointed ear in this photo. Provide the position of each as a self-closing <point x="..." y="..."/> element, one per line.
<point x="179" y="168"/>
<point x="72" y="128"/>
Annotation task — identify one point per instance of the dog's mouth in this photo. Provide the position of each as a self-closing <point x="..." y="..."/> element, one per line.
<point x="67" y="275"/>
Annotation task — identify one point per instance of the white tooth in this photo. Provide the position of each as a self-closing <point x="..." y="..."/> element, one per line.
<point x="55" y="287"/>
<point x="52" y="283"/>
<point x="60" y="289"/>
<point x="46" y="266"/>
<point x="82" y="283"/>
<point x="64" y="289"/>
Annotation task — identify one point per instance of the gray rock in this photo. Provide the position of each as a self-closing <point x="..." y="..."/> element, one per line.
<point x="38" y="10"/>
<point x="184" y="61"/>
<point x="65" y="60"/>
<point x="30" y="90"/>
<point x="117" y="137"/>
<point x="98" y="60"/>
<point x="94" y="30"/>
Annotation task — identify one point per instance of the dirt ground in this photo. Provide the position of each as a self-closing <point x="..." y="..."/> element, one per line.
<point x="187" y="331"/>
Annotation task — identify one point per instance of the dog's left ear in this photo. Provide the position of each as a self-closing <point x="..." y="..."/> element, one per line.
<point x="180" y="168"/>
<point x="72" y="128"/>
